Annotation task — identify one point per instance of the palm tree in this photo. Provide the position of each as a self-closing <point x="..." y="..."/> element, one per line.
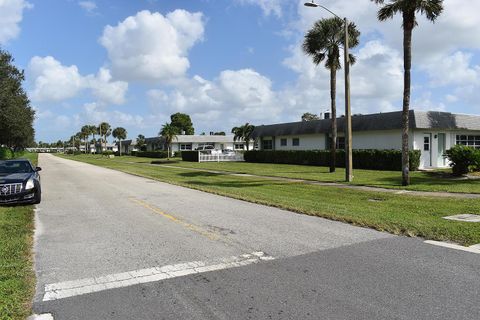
<point x="93" y="131"/>
<point x="104" y="130"/>
<point x="169" y="133"/>
<point x="243" y="133"/>
<point x="408" y="9"/>
<point x="141" y="142"/>
<point x="324" y="42"/>
<point x="119" y="134"/>
<point x="85" y="131"/>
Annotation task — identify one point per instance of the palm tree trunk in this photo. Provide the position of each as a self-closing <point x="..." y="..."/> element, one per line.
<point x="409" y="21"/>
<point x="333" y="94"/>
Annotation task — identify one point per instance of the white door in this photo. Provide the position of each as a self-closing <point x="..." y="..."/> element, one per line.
<point x="427" y="150"/>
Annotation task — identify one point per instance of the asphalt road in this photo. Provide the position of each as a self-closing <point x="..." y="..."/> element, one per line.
<point x="95" y="226"/>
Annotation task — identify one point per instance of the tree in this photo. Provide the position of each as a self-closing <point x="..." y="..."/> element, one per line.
<point x="168" y="132"/>
<point x="183" y="123"/>
<point x="104" y="130"/>
<point x="16" y="115"/>
<point x="307" y="116"/>
<point x="408" y="9"/>
<point x="243" y="133"/>
<point x="93" y="131"/>
<point x="323" y="42"/>
<point x="85" y="133"/>
<point x="220" y="133"/>
<point x="141" y="143"/>
<point x="119" y="134"/>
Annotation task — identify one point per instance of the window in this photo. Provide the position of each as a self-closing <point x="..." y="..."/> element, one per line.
<point x="238" y="146"/>
<point x="295" y="142"/>
<point x="472" y="141"/>
<point x="267" y="144"/>
<point x="426" y="144"/>
<point x="283" y="142"/>
<point x="185" y="146"/>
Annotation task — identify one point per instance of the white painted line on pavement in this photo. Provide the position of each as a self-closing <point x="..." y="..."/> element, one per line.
<point x="67" y="289"/>
<point x="472" y="249"/>
<point x="45" y="316"/>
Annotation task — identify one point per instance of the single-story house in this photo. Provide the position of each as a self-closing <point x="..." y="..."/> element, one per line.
<point x="187" y="142"/>
<point x="431" y="132"/>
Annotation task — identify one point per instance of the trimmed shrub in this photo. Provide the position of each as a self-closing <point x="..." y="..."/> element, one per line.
<point x="191" y="156"/>
<point x="6" y="153"/>
<point x="108" y="153"/>
<point x="152" y="154"/>
<point x="463" y="159"/>
<point x="362" y="159"/>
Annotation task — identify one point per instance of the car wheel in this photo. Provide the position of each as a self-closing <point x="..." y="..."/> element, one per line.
<point x="38" y="198"/>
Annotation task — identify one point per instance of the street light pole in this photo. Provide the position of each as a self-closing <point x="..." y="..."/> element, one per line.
<point x="348" y="112"/>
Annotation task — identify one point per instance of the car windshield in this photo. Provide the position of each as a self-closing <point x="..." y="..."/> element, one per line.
<point x="9" y="167"/>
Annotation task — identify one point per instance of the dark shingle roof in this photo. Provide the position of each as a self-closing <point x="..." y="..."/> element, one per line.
<point x="373" y="122"/>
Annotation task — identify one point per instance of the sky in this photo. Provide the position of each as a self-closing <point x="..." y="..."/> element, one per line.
<point x="225" y="62"/>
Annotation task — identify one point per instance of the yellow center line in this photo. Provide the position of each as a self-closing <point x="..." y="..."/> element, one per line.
<point x="192" y="227"/>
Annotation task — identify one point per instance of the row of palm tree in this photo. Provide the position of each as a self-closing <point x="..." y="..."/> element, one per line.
<point x="325" y="40"/>
<point x="104" y="130"/>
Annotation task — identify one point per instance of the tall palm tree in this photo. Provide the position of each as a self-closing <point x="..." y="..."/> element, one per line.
<point x="93" y="131"/>
<point x="85" y="131"/>
<point x="104" y="130"/>
<point x="119" y="134"/>
<point x="408" y="9"/>
<point x="323" y="43"/>
<point x="169" y="133"/>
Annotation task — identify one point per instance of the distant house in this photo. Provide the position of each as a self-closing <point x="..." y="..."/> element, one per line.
<point x="187" y="142"/>
<point x="431" y="132"/>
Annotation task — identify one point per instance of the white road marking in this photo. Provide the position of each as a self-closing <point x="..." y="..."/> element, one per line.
<point x="45" y="316"/>
<point x="67" y="289"/>
<point x="472" y="249"/>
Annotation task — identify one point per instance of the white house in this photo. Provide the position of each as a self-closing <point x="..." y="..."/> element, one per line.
<point x="188" y="142"/>
<point x="431" y="132"/>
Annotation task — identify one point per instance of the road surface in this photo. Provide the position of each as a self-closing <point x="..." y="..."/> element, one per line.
<point x="109" y="245"/>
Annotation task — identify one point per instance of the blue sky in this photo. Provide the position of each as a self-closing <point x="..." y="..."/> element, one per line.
<point x="224" y="62"/>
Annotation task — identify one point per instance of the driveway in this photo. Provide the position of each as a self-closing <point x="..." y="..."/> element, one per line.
<point x="115" y="246"/>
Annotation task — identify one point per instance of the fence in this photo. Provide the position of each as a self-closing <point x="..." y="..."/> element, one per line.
<point x="204" y="157"/>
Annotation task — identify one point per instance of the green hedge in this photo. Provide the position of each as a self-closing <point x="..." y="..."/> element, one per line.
<point x="151" y="154"/>
<point x="191" y="156"/>
<point x="362" y="159"/>
<point x="6" y="153"/>
<point x="463" y="159"/>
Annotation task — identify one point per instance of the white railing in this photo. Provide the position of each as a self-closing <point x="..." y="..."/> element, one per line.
<point x="205" y="157"/>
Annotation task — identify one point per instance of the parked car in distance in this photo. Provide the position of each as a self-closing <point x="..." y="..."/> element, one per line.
<point x="19" y="182"/>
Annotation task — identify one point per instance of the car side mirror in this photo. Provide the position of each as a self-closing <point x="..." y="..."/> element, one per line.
<point x="38" y="169"/>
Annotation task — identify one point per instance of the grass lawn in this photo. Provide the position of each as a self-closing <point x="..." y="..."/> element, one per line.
<point x="17" y="278"/>
<point x="398" y="214"/>
<point x="440" y="180"/>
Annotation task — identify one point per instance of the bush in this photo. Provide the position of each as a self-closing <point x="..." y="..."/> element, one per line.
<point x="362" y="159"/>
<point x="191" y="156"/>
<point x="152" y="154"/>
<point x="463" y="159"/>
<point x="108" y="153"/>
<point x="177" y="154"/>
<point x="6" y="153"/>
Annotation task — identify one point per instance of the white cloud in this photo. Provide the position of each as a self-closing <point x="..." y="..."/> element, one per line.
<point x="106" y="90"/>
<point x="152" y="47"/>
<point x="88" y="6"/>
<point x="235" y="96"/>
<point x="269" y="7"/>
<point x="96" y="113"/>
<point x="11" y="14"/>
<point x="54" y="82"/>
<point x="454" y="69"/>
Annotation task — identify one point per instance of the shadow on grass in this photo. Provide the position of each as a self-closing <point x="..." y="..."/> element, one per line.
<point x="164" y="161"/>
<point x="231" y="184"/>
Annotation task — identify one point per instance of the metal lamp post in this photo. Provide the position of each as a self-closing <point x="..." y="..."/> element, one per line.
<point x="348" y="112"/>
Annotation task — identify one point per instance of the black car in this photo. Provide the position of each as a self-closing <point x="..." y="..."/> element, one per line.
<point x="19" y="182"/>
